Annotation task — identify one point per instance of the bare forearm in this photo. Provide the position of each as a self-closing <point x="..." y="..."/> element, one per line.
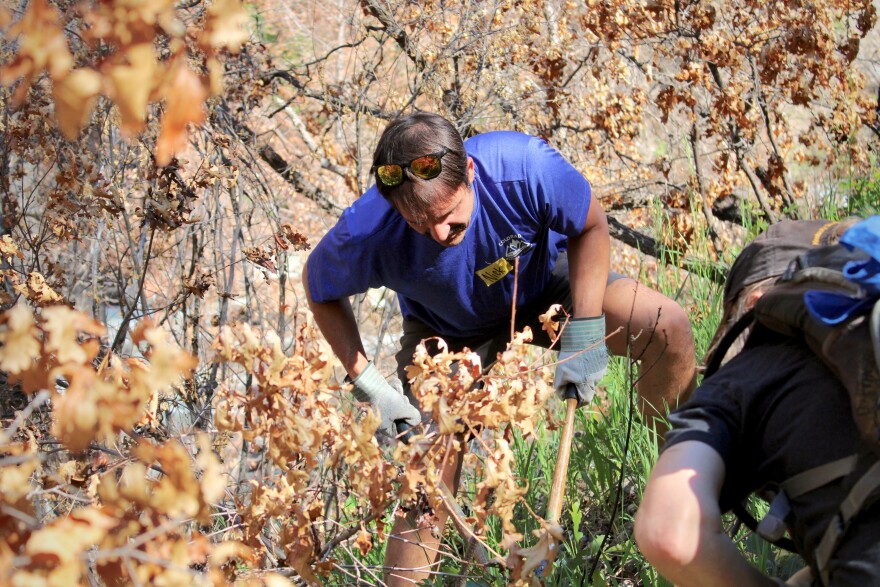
<point x="718" y="563"/>
<point x="589" y="261"/>
<point x="338" y="325"/>
<point x="678" y="526"/>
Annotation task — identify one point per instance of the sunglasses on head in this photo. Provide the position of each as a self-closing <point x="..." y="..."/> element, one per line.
<point x="426" y="167"/>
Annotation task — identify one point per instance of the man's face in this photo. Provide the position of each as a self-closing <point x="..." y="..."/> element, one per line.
<point x="447" y="221"/>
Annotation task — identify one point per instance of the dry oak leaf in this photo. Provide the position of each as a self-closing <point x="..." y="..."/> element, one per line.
<point x="39" y="376"/>
<point x="75" y="96"/>
<point x="64" y="327"/>
<point x="364" y="541"/>
<point x="122" y="23"/>
<point x="168" y="363"/>
<point x="289" y="236"/>
<point x="177" y="493"/>
<point x="226" y="26"/>
<point x="68" y="538"/>
<point x="261" y="257"/>
<point x="184" y="104"/>
<point x="73" y="472"/>
<point x="499" y="476"/>
<point x="523" y="562"/>
<point x="86" y="410"/>
<point x="8" y="249"/>
<point x="212" y="481"/>
<point x="19" y="339"/>
<point x="201" y="284"/>
<point x="132" y="77"/>
<point x="38" y="291"/>
<point x="15" y="480"/>
<point x="42" y="46"/>
<point x="549" y="321"/>
<point x="226" y="551"/>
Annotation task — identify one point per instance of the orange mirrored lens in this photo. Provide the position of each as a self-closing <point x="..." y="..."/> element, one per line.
<point x="390" y="175"/>
<point x="427" y="167"/>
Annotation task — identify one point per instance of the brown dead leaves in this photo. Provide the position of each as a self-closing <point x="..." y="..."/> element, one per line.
<point x="130" y="522"/>
<point x="62" y="345"/>
<point x="133" y="75"/>
<point x="141" y="504"/>
<point x="525" y="563"/>
<point x="285" y="238"/>
<point x="291" y="411"/>
<point x="461" y="400"/>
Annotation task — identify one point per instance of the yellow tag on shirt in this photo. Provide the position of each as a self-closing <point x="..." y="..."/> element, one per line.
<point x="494" y="272"/>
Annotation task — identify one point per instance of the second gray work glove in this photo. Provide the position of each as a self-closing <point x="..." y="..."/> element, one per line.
<point x="583" y="357"/>
<point x="393" y="406"/>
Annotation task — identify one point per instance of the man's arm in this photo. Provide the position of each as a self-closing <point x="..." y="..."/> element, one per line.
<point x="583" y="354"/>
<point x="678" y="525"/>
<point x="589" y="259"/>
<point x="337" y="323"/>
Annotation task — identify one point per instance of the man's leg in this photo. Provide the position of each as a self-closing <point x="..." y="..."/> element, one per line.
<point x="678" y="525"/>
<point x="660" y="337"/>
<point x="412" y="550"/>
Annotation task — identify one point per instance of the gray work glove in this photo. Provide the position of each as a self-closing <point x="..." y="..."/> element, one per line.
<point x="393" y="406"/>
<point x="583" y="357"/>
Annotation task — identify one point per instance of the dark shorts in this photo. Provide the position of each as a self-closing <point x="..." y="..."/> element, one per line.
<point x="488" y="346"/>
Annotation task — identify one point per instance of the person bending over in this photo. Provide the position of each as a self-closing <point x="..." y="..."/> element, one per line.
<point x="771" y="412"/>
<point x="443" y="226"/>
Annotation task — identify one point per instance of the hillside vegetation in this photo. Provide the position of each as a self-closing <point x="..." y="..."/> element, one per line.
<point x="170" y="414"/>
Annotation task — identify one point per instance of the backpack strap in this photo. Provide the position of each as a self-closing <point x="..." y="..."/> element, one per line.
<point x="772" y="526"/>
<point x="849" y="507"/>
<point x="816" y="477"/>
<point x="875" y="332"/>
<point x="749" y="521"/>
<point x="727" y="340"/>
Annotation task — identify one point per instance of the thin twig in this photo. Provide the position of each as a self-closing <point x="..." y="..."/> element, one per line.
<point x="23" y="415"/>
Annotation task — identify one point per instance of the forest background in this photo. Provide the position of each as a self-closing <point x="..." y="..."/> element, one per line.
<point x="170" y="414"/>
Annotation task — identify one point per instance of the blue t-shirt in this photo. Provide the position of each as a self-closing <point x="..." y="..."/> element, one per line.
<point x="527" y="200"/>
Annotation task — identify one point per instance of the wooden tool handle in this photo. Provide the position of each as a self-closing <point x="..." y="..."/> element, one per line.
<point x="557" y="488"/>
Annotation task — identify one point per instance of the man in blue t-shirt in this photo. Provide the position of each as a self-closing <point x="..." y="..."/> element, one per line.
<point x="443" y="227"/>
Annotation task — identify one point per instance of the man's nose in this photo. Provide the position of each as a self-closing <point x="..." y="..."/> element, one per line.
<point x="439" y="232"/>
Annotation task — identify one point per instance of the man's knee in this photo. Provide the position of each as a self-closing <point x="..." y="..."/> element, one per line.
<point x="649" y="321"/>
<point x="678" y="333"/>
<point x="664" y="334"/>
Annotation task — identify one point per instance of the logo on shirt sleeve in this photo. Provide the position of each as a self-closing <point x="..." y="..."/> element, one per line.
<point x="514" y="246"/>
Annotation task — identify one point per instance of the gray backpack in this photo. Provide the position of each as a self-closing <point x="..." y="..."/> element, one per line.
<point x="789" y="259"/>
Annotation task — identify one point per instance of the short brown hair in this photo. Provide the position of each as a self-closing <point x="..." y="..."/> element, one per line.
<point x="412" y="136"/>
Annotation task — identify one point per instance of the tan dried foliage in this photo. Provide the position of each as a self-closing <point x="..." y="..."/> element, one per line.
<point x="93" y="474"/>
<point x="135" y="525"/>
<point x="129" y="70"/>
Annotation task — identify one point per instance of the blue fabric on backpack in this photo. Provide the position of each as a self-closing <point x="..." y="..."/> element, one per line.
<point x="865" y="236"/>
<point x="831" y="308"/>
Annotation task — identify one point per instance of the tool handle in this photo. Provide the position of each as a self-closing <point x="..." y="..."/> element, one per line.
<point x="404" y="431"/>
<point x="560" y="473"/>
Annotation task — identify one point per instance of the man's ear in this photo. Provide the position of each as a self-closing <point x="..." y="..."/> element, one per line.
<point x="470" y="170"/>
